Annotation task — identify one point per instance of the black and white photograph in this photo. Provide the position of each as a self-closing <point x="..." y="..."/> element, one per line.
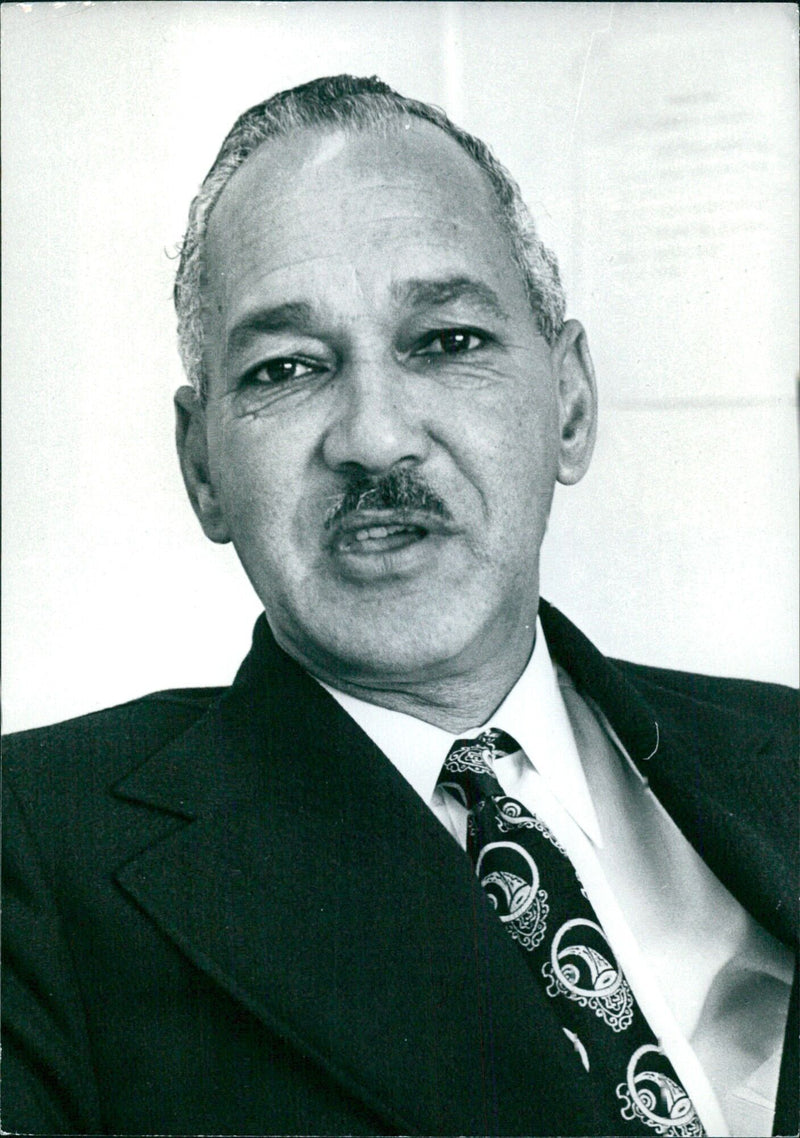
<point x="400" y="611"/>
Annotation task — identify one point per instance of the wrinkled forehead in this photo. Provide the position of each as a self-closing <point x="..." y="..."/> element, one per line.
<point x="400" y="166"/>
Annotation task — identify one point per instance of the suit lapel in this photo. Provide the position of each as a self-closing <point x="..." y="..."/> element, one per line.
<point x="718" y="773"/>
<point x="311" y="882"/>
<point x="721" y="791"/>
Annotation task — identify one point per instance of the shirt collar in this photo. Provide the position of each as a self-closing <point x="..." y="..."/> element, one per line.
<point x="533" y="713"/>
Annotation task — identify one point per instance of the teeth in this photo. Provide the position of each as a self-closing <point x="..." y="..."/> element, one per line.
<point x="374" y="533"/>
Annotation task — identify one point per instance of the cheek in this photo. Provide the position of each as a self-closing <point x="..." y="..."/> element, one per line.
<point x="518" y="448"/>
<point x="247" y="475"/>
<point x="265" y="490"/>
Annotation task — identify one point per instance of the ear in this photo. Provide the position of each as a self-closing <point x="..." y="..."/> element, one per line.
<point x="192" y="442"/>
<point x="577" y="402"/>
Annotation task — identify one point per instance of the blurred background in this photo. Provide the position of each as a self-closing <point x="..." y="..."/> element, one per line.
<point x="656" y="145"/>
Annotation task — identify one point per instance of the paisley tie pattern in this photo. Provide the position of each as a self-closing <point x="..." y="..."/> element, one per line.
<point x="532" y="886"/>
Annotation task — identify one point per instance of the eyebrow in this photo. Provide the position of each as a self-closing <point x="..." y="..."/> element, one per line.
<point x="295" y="316"/>
<point x="298" y="316"/>
<point x="437" y="293"/>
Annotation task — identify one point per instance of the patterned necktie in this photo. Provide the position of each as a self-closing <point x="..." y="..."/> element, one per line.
<point x="534" y="889"/>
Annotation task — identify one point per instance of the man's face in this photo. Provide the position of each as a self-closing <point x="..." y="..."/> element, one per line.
<point x="370" y="344"/>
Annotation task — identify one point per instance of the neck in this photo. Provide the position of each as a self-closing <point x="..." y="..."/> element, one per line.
<point x="461" y="700"/>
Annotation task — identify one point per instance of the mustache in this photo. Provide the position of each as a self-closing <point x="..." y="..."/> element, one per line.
<point x="403" y="490"/>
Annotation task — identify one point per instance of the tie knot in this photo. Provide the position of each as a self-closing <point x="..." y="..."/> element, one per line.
<point x="468" y="770"/>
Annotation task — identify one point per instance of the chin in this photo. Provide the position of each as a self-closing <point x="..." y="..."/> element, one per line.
<point x="389" y="647"/>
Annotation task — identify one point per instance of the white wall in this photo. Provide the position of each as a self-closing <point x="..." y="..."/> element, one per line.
<point x="657" y="147"/>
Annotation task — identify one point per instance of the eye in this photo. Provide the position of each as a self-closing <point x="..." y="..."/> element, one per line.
<point x="452" y="342"/>
<point x="281" y="370"/>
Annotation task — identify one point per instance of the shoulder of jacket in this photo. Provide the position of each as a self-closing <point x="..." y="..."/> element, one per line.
<point x="113" y="736"/>
<point x="755" y="698"/>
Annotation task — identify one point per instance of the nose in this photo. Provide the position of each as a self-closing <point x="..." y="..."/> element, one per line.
<point x="374" y="424"/>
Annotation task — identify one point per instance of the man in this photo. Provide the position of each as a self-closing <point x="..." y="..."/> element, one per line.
<point x="244" y="911"/>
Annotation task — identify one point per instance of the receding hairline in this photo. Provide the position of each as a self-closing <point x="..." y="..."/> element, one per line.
<point x="395" y="122"/>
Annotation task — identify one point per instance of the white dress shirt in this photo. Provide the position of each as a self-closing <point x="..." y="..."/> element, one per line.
<point x="713" y="985"/>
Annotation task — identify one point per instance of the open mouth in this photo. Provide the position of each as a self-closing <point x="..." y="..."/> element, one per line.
<point x="368" y="539"/>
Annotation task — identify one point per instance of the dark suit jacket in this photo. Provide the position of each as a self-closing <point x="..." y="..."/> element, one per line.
<point x="227" y="913"/>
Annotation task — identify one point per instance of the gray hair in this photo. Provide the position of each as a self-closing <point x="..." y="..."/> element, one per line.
<point x="340" y="102"/>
